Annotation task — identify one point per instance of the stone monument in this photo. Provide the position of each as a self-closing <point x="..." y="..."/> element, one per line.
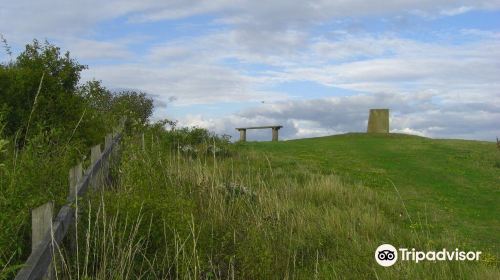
<point x="378" y="122"/>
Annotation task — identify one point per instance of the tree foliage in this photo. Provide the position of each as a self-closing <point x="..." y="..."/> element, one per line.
<point x="134" y="105"/>
<point x="48" y="102"/>
<point x="48" y="120"/>
<point x="40" y="91"/>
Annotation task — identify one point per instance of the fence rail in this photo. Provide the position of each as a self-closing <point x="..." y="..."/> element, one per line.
<point x="48" y="233"/>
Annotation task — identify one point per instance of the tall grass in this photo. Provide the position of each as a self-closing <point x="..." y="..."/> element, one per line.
<point x="177" y="216"/>
<point x="29" y="177"/>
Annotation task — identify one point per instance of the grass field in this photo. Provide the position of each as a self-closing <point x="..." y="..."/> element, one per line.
<point x="302" y="209"/>
<point x="456" y="183"/>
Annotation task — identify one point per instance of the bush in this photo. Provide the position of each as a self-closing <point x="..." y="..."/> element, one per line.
<point x="196" y="141"/>
<point x="3" y="142"/>
<point x="38" y="88"/>
<point x="47" y="124"/>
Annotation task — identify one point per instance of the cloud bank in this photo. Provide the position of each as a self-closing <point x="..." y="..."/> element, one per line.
<point x="439" y="77"/>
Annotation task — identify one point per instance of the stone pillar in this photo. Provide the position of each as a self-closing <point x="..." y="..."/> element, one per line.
<point x="275" y="133"/>
<point x="243" y="135"/>
<point x="378" y="122"/>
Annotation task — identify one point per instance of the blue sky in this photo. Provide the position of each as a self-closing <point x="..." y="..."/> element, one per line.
<point x="315" y="67"/>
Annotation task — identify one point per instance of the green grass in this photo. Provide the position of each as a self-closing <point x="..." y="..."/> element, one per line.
<point x="456" y="183"/>
<point x="303" y="209"/>
<point x="30" y="177"/>
<point x="268" y="211"/>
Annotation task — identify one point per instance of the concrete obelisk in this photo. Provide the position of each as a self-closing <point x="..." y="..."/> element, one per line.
<point x="378" y="121"/>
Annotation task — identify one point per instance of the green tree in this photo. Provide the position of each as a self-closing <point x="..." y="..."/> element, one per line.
<point x="96" y="96"/>
<point x="134" y="105"/>
<point x="50" y="102"/>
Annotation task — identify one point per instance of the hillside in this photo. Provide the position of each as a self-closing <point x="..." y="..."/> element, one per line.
<point x="454" y="183"/>
<point x="185" y="204"/>
<point x="303" y="209"/>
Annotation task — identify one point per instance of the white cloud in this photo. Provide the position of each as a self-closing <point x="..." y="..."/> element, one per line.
<point x="170" y="53"/>
<point x="84" y="49"/>
<point x="465" y="71"/>
<point x="280" y="13"/>
<point x="408" y="130"/>
<point x="189" y="82"/>
<point x="420" y="115"/>
<point x="456" y="11"/>
<point x="24" y="19"/>
<point x="434" y="88"/>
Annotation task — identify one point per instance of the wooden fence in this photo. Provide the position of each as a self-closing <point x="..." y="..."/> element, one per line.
<point x="48" y="233"/>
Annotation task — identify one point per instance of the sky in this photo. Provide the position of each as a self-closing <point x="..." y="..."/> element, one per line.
<point x="315" y="67"/>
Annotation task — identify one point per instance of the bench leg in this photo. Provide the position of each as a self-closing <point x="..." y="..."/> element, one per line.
<point x="275" y="134"/>
<point x="243" y="135"/>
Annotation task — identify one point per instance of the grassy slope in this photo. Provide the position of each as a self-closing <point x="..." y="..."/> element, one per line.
<point x="246" y="216"/>
<point x="176" y="215"/>
<point x="250" y="216"/>
<point x="455" y="183"/>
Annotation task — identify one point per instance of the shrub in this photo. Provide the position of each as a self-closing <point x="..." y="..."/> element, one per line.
<point x="196" y="141"/>
<point x="38" y="87"/>
<point x="3" y="142"/>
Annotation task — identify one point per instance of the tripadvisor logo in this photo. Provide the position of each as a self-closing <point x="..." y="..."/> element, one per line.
<point x="387" y="255"/>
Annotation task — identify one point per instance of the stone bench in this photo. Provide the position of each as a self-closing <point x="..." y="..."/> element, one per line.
<point x="243" y="131"/>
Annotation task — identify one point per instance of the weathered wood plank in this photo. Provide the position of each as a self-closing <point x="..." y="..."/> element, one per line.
<point x="39" y="261"/>
<point x="83" y="185"/>
<point x="41" y="220"/>
<point x="108" y="140"/>
<point x="75" y="175"/>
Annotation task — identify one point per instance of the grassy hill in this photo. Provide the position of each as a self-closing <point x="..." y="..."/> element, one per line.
<point x="454" y="183"/>
<point x="303" y="209"/>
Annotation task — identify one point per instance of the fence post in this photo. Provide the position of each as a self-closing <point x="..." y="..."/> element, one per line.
<point x="48" y="233"/>
<point x="116" y="149"/>
<point x="108" y="142"/>
<point x="143" y="142"/>
<point x="122" y="122"/>
<point x="75" y="175"/>
<point x="95" y="153"/>
<point x="41" y="224"/>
